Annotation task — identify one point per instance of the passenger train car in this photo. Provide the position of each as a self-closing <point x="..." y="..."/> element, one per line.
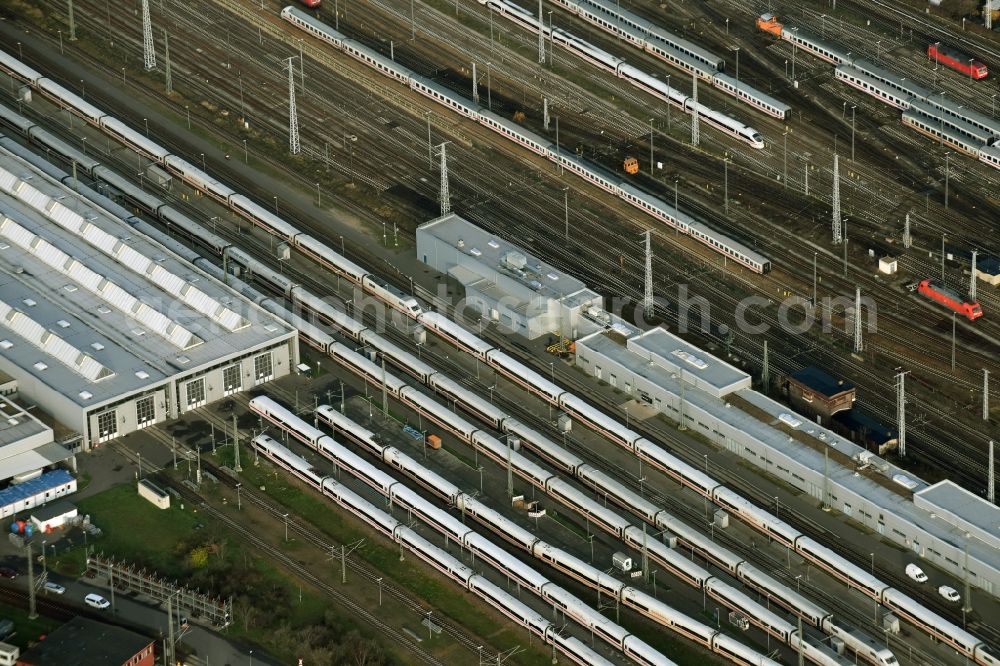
<point x="454" y="529"/>
<point x="558" y="558"/>
<point x="875" y="80"/>
<point x="649" y="204"/>
<point x="534" y="382"/>
<point x="670" y="48"/>
<point x="604" y="60"/>
<point x="437" y="557"/>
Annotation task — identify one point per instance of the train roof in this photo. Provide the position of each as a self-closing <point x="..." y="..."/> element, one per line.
<point x="753" y="92"/>
<point x="952" y="52"/>
<point x="651" y="29"/>
<point x="961" y="126"/>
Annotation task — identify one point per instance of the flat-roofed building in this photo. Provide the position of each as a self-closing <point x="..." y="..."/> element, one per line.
<point x="505" y="283"/>
<point x="108" y="330"/>
<point x="815" y="392"/>
<point x="26" y="444"/>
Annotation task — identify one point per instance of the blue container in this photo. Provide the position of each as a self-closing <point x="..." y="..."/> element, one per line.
<point x="29" y="529"/>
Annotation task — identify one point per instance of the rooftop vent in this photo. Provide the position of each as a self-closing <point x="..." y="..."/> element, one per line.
<point x="104" y="309"/>
<point x="515" y="260"/>
<point x="63" y="323"/>
<point x="142" y="374"/>
<point x="493" y="244"/>
<point x="40" y="366"/>
<point x="70" y="288"/>
<point x="183" y="360"/>
<point x="97" y="345"/>
<point x="12" y="421"/>
<point x="30" y="302"/>
<point x="6" y="344"/>
<point x="476" y="252"/>
<point x="461" y="243"/>
<point x="86" y="395"/>
<point x="552" y="276"/>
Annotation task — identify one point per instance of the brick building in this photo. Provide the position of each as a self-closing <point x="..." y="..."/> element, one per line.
<point x="84" y="642"/>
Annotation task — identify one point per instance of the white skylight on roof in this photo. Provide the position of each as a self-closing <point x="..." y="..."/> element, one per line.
<point x="138" y="332"/>
<point x="183" y="359"/>
<point x="40" y="366"/>
<point x="493" y="244"/>
<point x="104" y="309"/>
<point x="552" y="276"/>
<point x="30" y="302"/>
<point x="63" y="323"/>
<point x="6" y="344"/>
<point x="86" y="395"/>
<point x="142" y="374"/>
<point x="97" y="345"/>
<point x="476" y="252"/>
<point x="70" y="288"/>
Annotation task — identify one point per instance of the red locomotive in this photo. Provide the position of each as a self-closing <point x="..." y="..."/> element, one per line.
<point x="957" y="60"/>
<point x="945" y="296"/>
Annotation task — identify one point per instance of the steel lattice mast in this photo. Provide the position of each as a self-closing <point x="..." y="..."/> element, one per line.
<point x="837" y="234"/>
<point x="444" y="194"/>
<point x="695" y="136"/>
<point x="541" y="35"/>
<point x="647" y="300"/>
<point x="293" y="117"/>
<point x="858" y="343"/>
<point x="148" y="50"/>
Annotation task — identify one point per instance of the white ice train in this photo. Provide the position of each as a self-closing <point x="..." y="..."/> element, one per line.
<point x="604" y="60"/>
<point x="309" y="245"/>
<point x="840" y="567"/>
<point x="527" y="576"/>
<point x="670" y="48"/>
<point x="837" y="565"/>
<point x="662" y="211"/>
<point x="437" y="557"/>
<point x="601" y="482"/>
<point x="455" y="530"/>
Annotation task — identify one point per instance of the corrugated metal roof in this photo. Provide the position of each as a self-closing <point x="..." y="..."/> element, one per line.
<point x="50" y="343"/>
<point x="46" y="481"/>
<point x="112" y="293"/>
<point x="120" y="250"/>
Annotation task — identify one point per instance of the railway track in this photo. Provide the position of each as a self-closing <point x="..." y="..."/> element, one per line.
<point x="308" y="535"/>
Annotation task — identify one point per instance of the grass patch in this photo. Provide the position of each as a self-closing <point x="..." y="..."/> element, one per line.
<point x="26" y="631"/>
<point x="408" y="573"/>
<point x="137" y="531"/>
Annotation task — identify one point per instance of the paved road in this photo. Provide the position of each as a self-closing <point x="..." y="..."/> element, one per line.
<point x="210" y="647"/>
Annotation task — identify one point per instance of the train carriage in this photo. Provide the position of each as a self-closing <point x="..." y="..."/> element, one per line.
<point x="520" y="373"/>
<point x="840" y="567"/>
<point x="322" y="254"/>
<point x="513" y="609"/>
<point x="455" y="334"/>
<point x="498" y="523"/>
<point x="766" y="619"/>
<point x="284" y="419"/>
<point x="571" y="497"/>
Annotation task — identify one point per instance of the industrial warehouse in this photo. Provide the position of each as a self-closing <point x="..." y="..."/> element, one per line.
<point x="351" y="332"/>
<point x="108" y="331"/>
